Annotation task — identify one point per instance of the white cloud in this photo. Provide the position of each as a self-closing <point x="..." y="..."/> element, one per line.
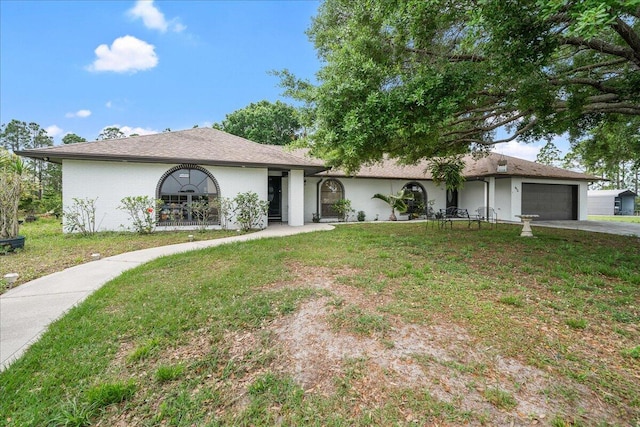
<point x="108" y="104"/>
<point x="53" y="131"/>
<point x="153" y="18"/>
<point x="518" y="149"/>
<point x="126" y="54"/>
<point x="80" y="113"/>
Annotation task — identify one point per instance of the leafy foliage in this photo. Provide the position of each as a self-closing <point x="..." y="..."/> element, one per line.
<point x="72" y="138"/>
<point x="264" y="122"/>
<point x="396" y="201"/>
<point x="416" y="79"/>
<point x="343" y="208"/>
<point x="250" y="211"/>
<point x="448" y="171"/>
<point x="81" y="216"/>
<point x="11" y="184"/>
<point x="111" y="133"/>
<point x="141" y="210"/>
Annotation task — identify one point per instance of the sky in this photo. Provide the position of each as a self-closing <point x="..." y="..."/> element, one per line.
<point x="144" y="66"/>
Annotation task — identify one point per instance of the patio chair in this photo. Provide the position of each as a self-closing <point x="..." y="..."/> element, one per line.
<point x="487" y="214"/>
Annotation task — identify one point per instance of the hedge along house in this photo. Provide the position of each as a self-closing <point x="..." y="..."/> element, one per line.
<point x="204" y="164"/>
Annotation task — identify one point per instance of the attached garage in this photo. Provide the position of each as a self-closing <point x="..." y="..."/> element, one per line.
<point x="550" y="201"/>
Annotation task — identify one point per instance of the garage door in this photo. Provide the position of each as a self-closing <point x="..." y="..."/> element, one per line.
<point x="550" y="201"/>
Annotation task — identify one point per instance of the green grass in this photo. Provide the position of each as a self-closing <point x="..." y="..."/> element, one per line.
<point x="153" y="346"/>
<point x="48" y="250"/>
<point x="615" y="218"/>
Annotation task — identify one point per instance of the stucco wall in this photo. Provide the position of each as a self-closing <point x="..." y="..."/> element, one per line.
<point x="110" y="182"/>
<point x="360" y="191"/>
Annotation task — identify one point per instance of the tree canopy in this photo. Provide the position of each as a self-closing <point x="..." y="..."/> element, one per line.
<point x="111" y="132"/>
<point x="72" y="138"/>
<point x="18" y="135"/>
<point x="264" y="122"/>
<point x="415" y="78"/>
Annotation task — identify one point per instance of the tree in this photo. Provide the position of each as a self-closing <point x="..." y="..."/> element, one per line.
<point x="416" y="79"/>
<point x="396" y="201"/>
<point x="18" y="135"/>
<point x="264" y="122"/>
<point x="72" y="138"/>
<point x="611" y="150"/>
<point x="112" y="132"/>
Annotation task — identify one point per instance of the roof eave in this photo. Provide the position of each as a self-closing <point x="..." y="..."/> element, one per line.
<point x="59" y="157"/>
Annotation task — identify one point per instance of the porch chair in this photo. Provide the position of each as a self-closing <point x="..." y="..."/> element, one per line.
<point x="487" y="214"/>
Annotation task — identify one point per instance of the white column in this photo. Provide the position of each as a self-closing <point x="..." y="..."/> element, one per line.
<point x="296" y="198"/>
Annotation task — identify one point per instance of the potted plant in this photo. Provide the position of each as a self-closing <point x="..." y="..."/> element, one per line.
<point x="396" y="202"/>
<point x="11" y="168"/>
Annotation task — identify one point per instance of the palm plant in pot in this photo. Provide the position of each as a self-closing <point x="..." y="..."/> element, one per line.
<point x="396" y="201"/>
<point x="11" y="168"/>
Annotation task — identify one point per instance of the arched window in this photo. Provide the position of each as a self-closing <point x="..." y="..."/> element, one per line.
<point x="189" y="195"/>
<point x="331" y="191"/>
<point x="417" y="206"/>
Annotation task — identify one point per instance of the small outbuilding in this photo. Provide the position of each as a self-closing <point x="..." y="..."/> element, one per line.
<point x="611" y="202"/>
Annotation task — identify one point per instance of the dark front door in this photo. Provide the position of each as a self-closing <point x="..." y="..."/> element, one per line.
<point x="275" y="198"/>
<point x="452" y="198"/>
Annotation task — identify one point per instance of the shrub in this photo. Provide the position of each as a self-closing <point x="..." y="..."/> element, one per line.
<point x="141" y="210"/>
<point x="343" y="208"/>
<point x="250" y="211"/>
<point x="201" y="213"/>
<point x="81" y="216"/>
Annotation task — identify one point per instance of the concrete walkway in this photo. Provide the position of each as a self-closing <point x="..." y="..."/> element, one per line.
<point x="610" y="227"/>
<point x="27" y="310"/>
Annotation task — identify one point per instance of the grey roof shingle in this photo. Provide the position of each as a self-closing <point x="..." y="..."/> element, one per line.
<point x="482" y="167"/>
<point x="208" y="146"/>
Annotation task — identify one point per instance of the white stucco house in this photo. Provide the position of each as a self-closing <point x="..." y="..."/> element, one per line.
<point x="204" y="163"/>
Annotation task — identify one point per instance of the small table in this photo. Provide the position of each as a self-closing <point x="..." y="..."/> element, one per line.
<point x="526" y="225"/>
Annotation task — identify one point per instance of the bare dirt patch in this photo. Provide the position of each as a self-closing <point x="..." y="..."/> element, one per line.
<point x="440" y="358"/>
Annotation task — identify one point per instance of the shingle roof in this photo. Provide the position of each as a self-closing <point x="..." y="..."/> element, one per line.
<point x="475" y="168"/>
<point x="206" y="146"/>
<point x="610" y="193"/>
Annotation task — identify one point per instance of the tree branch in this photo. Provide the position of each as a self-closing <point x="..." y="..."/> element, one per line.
<point x="603" y="47"/>
<point x="628" y="35"/>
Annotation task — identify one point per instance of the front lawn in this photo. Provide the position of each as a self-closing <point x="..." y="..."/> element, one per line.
<point x="369" y="324"/>
<point x="615" y="218"/>
<point x="47" y="250"/>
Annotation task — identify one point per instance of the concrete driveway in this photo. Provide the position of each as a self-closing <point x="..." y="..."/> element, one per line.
<point x="610" y="227"/>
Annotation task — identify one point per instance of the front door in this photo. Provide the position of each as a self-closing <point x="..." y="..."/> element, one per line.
<point x="452" y="198"/>
<point x="275" y="198"/>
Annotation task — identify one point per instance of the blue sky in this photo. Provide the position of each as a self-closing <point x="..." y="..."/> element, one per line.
<point x="144" y="66"/>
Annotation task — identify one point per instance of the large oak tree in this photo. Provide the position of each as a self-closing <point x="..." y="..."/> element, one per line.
<point x="422" y="78"/>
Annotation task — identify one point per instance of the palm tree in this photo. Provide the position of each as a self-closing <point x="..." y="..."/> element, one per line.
<point x="396" y="201"/>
